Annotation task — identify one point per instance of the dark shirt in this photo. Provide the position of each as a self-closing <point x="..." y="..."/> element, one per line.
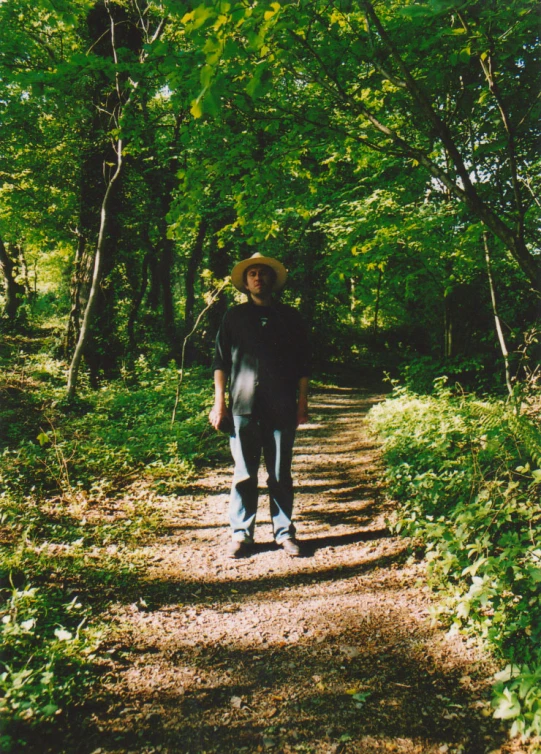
<point x="264" y="350"/>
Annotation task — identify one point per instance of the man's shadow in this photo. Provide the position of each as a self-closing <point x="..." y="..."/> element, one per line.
<point x="310" y="546"/>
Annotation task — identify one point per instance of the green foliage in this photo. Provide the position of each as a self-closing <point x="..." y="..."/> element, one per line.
<point x="58" y="571"/>
<point x="47" y="653"/>
<point x="478" y="372"/>
<point x="463" y="476"/>
<point x="335" y="139"/>
<point x="517" y="697"/>
<point x="72" y="518"/>
<point x="284" y="154"/>
<point x="105" y="438"/>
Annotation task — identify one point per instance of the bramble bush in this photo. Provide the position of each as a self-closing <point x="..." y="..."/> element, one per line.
<point x="465" y="473"/>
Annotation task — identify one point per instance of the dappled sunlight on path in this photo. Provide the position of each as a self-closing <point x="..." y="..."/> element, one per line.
<point x="330" y="652"/>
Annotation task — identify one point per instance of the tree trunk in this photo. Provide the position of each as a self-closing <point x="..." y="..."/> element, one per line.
<point x="130" y="36"/>
<point x="165" y="273"/>
<point x="73" y="328"/>
<point x="29" y="292"/>
<point x="352" y="300"/>
<point x="13" y="290"/>
<point x="447" y="326"/>
<point x="194" y="263"/>
<point x="136" y="303"/>
<point x="153" y="298"/>
<point x="497" y="321"/>
<point x="96" y="277"/>
<point x="378" y="298"/>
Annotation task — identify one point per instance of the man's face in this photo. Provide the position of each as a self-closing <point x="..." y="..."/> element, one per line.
<point x="259" y="280"/>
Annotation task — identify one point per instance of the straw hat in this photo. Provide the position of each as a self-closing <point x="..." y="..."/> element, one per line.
<point x="237" y="274"/>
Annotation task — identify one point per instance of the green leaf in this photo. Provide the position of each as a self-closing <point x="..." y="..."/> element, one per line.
<point x="200" y="15"/>
<point x="196" y="109"/>
<point x="206" y="74"/>
<point x="507" y="705"/>
<point x="510" y="671"/>
<point x="535" y="575"/>
<point x="361" y="696"/>
<point x="255" y="83"/>
<point x="270" y="13"/>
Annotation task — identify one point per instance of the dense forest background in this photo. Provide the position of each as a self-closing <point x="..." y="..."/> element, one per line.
<point x="388" y="154"/>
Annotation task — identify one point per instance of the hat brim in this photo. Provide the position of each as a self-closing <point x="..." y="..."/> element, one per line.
<point x="237" y="274"/>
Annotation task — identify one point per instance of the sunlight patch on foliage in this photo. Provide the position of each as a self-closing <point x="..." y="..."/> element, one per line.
<point x="468" y="489"/>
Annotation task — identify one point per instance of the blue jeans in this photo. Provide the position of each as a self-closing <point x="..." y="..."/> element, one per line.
<point x="249" y="437"/>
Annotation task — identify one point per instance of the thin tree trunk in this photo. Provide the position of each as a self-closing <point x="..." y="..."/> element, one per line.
<point x="73" y="328"/>
<point x="165" y="270"/>
<point x="378" y="297"/>
<point x="13" y="289"/>
<point x="499" y="331"/>
<point x="352" y="300"/>
<point x="136" y="303"/>
<point x="96" y="277"/>
<point x="24" y="270"/>
<point x="193" y="265"/>
<point x="447" y="326"/>
<point x="153" y="298"/>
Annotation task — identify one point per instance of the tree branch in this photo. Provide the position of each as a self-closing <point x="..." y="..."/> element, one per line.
<point x="487" y="66"/>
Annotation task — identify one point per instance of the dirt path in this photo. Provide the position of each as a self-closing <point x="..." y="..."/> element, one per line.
<point x="332" y="652"/>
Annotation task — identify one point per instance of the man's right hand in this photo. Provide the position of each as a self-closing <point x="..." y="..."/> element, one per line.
<point x="218" y="413"/>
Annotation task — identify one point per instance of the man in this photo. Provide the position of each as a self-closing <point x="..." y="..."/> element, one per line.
<point x="261" y="348"/>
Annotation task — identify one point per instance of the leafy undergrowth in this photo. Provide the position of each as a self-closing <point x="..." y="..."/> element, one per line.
<point x="465" y="472"/>
<point x="80" y="485"/>
<point x="104" y="438"/>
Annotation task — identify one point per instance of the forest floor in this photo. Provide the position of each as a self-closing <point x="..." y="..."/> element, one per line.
<point x="331" y="652"/>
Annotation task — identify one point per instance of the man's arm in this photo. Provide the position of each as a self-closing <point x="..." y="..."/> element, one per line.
<point x="301" y="355"/>
<point x="219" y="410"/>
<point x="302" y="402"/>
<point x="222" y="367"/>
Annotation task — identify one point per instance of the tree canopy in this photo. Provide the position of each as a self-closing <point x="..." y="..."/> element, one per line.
<point x="379" y="149"/>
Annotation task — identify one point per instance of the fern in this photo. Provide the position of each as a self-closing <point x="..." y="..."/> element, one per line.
<point x="528" y="434"/>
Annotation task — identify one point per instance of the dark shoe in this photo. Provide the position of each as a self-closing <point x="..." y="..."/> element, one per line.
<point x="291" y="547"/>
<point x="238" y="549"/>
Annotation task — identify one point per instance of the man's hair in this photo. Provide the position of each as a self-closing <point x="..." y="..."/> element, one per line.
<point x="269" y="268"/>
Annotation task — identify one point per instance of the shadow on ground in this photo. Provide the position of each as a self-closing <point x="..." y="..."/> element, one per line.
<point x="290" y="698"/>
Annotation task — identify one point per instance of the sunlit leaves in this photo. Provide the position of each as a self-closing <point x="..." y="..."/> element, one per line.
<point x="451" y="462"/>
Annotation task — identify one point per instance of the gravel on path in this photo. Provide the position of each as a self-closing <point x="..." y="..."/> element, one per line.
<point x="335" y="651"/>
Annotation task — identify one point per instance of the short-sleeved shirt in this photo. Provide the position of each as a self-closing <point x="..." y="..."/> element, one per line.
<point x="264" y="350"/>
